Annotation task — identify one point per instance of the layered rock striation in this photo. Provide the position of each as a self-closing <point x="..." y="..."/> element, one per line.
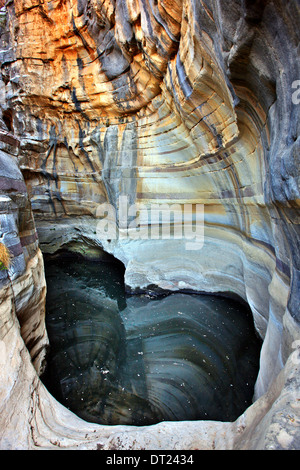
<point x="175" y="103"/>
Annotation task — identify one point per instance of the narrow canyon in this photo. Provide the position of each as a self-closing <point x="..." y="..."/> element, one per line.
<point x="158" y="139"/>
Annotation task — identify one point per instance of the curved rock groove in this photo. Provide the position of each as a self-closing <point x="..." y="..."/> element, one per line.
<point x="186" y="102"/>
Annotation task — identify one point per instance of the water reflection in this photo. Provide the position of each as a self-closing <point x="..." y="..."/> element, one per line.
<point x="137" y="360"/>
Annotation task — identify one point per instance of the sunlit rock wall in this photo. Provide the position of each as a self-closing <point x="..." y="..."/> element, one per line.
<point x="186" y="102"/>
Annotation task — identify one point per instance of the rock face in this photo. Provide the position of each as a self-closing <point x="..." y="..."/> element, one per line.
<point x="182" y="102"/>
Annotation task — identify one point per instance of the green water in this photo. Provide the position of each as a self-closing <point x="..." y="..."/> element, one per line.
<point x="118" y="359"/>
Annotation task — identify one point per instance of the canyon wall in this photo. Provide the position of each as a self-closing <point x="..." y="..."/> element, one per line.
<point x="164" y="102"/>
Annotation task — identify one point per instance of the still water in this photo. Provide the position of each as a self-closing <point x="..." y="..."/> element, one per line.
<point x="118" y="359"/>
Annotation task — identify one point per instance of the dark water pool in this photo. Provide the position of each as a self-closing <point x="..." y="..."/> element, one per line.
<point x="118" y="359"/>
